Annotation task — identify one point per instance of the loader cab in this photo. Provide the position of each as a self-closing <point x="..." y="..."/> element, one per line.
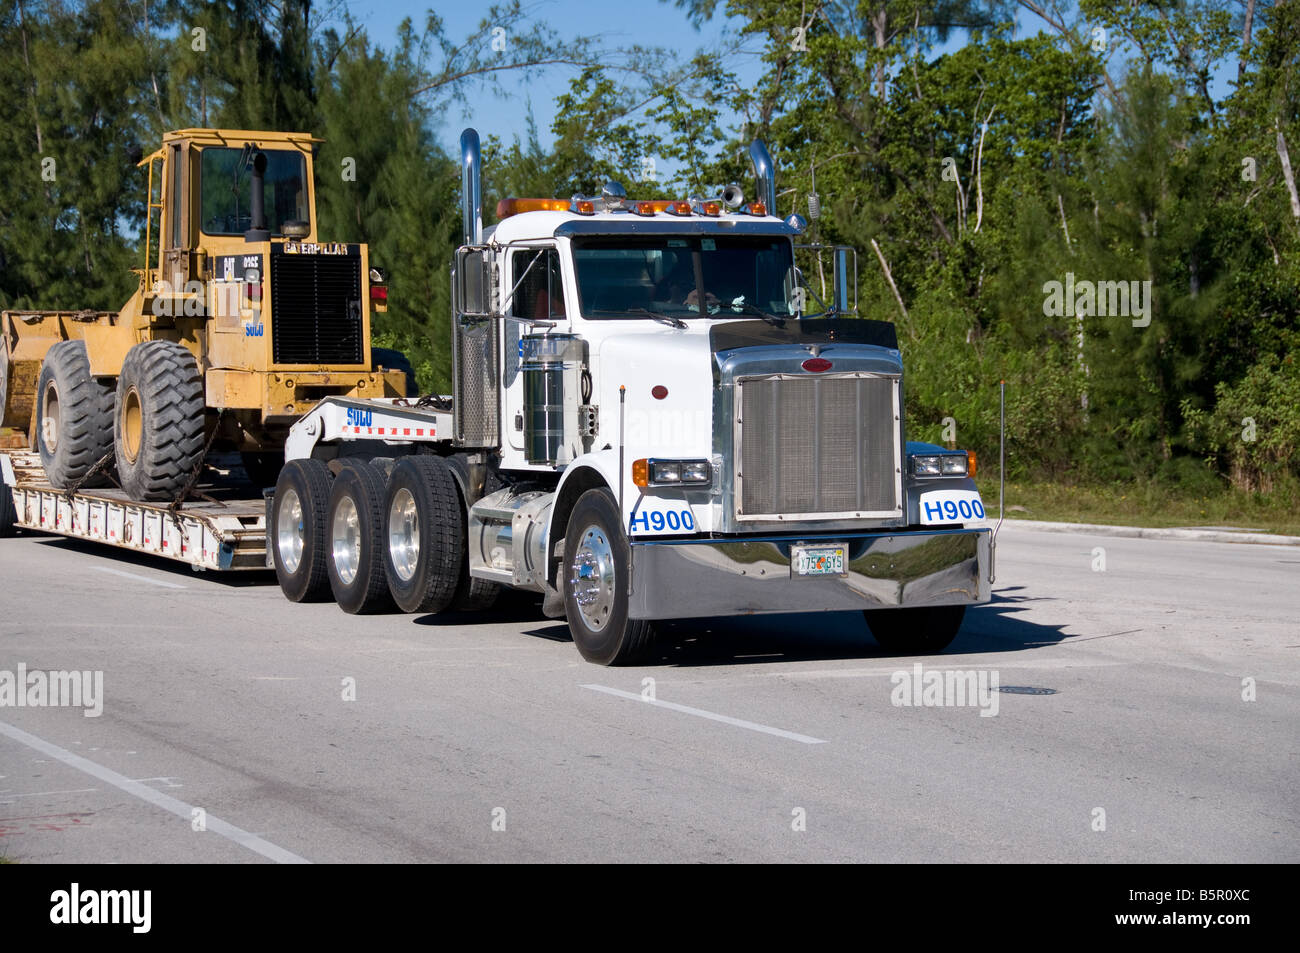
<point x="200" y="202"/>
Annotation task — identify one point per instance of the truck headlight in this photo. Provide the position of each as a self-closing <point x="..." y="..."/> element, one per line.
<point x="941" y="464"/>
<point x="651" y="472"/>
<point x="953" y="466"/>
<point x="927" y="465"/>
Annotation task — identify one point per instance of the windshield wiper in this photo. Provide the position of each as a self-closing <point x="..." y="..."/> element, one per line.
<point x="767" y="316"/>
<point x="661" y="318"/>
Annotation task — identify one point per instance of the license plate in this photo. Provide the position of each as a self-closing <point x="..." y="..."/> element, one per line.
<point x="817" y="560"/>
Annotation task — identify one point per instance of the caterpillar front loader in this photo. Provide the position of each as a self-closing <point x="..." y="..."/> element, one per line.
<point x="242" y="322"/>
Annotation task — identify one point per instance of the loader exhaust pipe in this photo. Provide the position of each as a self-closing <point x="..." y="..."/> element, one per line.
<point x="471" y="189"/>
<point x="765" y="173"/>
<point x="257" y="231"/>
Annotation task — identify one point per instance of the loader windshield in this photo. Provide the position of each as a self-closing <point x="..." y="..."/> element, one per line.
<point x="648" y="276"/>
<point x="225" y="196"/>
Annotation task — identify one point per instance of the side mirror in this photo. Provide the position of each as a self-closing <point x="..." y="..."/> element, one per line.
<point x="472" y="282"/>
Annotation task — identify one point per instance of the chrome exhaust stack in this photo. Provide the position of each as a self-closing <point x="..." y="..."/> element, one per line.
<point x="471" y="189"/>
<point x="765" y="174"/>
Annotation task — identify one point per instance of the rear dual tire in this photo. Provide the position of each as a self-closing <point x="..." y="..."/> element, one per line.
<point x="426" y="556"/>
<point x="355" y="527"/>
<point x="297" y="534"/>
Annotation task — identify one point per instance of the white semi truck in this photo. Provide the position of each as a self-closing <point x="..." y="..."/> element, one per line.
<point x="654" y="417"/>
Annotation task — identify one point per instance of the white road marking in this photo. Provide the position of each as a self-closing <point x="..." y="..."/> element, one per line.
<point x="138" y="577"/>
<point x="5" y="796"/>
<point x="215" y="825"/>
<point x="712" y="716"/>
<point x="905" y="665"/>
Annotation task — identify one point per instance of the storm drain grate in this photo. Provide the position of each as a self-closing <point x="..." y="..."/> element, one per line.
<point x="1025" y="690"/>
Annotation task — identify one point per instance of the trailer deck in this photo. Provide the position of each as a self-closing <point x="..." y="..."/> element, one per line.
<point x="228" y="534"/>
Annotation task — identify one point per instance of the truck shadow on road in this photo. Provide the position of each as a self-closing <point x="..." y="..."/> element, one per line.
<point x="114" y="557"/>
<point x="748" y="640"/>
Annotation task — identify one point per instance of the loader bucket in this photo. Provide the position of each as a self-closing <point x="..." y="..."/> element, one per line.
<point x="25" y="336"/>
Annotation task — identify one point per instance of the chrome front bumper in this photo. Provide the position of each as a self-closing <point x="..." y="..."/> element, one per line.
<point x="675" y="579"/>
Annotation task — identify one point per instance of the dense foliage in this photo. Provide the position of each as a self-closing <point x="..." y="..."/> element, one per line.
<point x="1100" y="151"/>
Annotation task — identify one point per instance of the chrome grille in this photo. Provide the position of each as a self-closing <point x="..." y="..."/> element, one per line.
<point x="818" y="445"/>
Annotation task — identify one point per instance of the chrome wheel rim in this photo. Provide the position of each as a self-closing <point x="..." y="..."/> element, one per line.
<point x="345" y="538"/>
<point x="290" y="531"/>
<point x="404" y="534"/>
<point x="592" y="578"/>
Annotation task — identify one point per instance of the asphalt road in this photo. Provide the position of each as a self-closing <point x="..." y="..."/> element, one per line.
<point x="770" y="739"/>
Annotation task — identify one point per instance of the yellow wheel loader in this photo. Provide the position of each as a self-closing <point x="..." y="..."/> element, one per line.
<point x="243" y="320"/>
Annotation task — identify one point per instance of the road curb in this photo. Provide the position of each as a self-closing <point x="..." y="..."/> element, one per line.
<point x="1152" y="532"/>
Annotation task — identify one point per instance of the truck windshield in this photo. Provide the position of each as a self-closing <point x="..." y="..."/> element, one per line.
<point x="225" y="194"/>
<point x="645" y="276"/>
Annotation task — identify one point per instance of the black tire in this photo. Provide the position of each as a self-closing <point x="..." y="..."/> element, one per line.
<point x="595" y="544"/>
<point x="474" y="595"/>
<point x="74" y="416"/>
<point x="355" y="526"/>
<point x="262" y="466"/>
<point x="424" y="534"/>
<point x="8" y="514"/>
<point x="158" y="420"/>
<point x="925" y="630"/>
<point x="392" y="360"/>
<point x="297" y="535"/>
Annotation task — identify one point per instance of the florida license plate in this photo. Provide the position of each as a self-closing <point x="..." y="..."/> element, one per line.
<point x="817" y="560"/>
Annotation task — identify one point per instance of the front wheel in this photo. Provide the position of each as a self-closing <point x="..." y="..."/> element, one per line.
<point x="594" y="576"/>
<point x="924" y="630"/>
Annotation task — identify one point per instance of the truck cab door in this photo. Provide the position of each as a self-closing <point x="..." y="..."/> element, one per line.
<point x="538" y="297"/>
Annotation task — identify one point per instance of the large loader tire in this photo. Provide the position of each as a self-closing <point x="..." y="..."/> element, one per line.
<point x="74" y="416"/>
<point x="424" y="534"/>
<point x="298" y="536"/>
<point x="158" y="420"/>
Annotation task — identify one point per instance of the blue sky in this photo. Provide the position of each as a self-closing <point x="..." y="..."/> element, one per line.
<point x="647" y="22"/>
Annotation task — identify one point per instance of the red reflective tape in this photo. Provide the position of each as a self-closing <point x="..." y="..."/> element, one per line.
<point x="406" y="431"/>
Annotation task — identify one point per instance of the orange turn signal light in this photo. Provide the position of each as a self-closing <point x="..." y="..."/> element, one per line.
<point x="641" y="472"/>
<point x="508" y="207"/>
<point x="970" y="463"/>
